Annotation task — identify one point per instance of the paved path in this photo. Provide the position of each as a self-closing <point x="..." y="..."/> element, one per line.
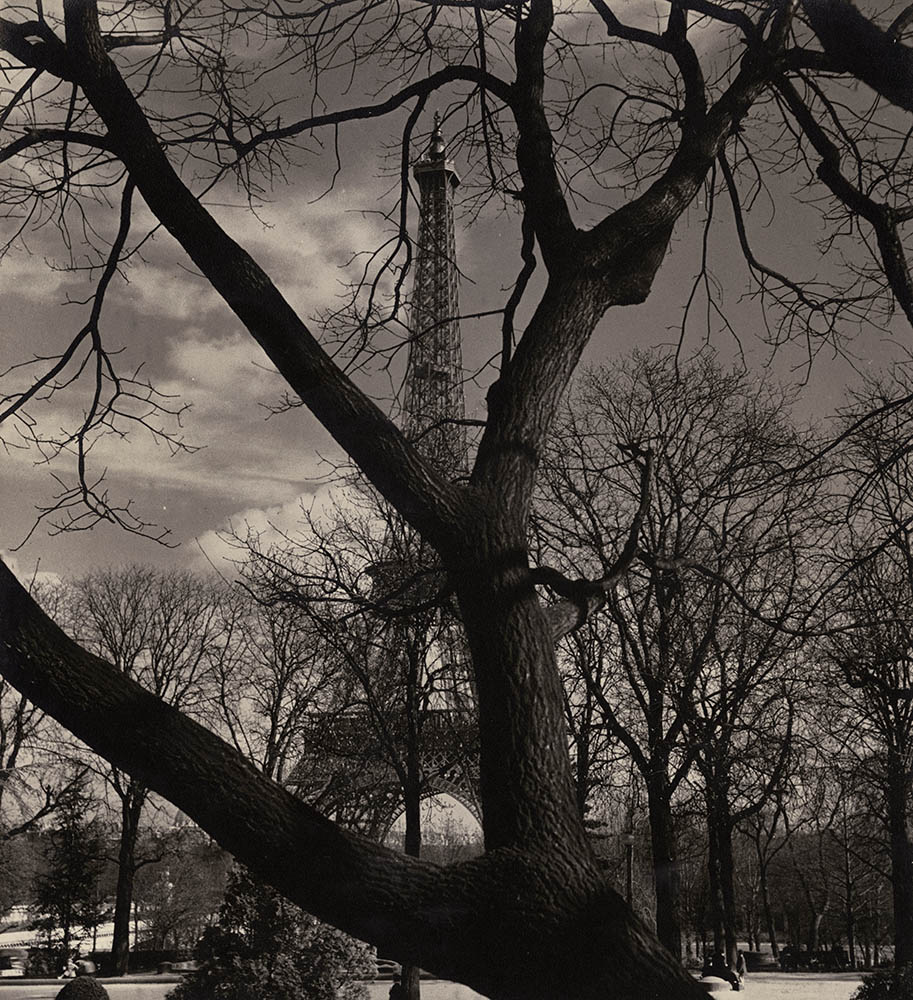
<point x="431" y="990"/>
<point x="799" y="985"/>
<point x="758" y="986"/>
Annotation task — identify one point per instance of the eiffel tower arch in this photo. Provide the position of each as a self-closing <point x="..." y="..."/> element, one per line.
<point x="347" y="769"/>
<point x="347" y="773"/>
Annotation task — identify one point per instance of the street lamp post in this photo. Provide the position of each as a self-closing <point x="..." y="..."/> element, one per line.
<point x="628" y="840"/>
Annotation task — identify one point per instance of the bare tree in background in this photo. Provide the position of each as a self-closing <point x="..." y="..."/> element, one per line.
<point x="600" y="159"/>
<point x="699" y="647"/>
<point x="763" y="829"/>
<point x="168" y="632"/>
<point x="33" y="760"/>
<point x="397" y="708"/>
<point x="277" y="675"/>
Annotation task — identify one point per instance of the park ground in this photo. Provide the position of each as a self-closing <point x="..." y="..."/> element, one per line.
<point x="759" y="986"/>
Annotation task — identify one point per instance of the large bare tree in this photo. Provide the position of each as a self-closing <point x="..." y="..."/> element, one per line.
<point x="700" y="626"/>
<point x="601" y="133"/>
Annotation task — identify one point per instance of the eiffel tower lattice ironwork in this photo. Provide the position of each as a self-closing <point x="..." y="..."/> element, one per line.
<point x="434" y="400"/>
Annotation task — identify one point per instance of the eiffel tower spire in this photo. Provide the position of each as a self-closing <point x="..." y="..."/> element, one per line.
<point x="434" y="373"/>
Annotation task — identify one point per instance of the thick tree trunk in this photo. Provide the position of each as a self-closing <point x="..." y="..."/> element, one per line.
<point x="666" y="869"/>
<point x="714" y="881"/>
<point x="527" y="789"/>
<point x="131" y="809"/>
<point x="529" y="920"/>
<point x="901" y="861"/>
<point x="727" y="888"/>
<point x="721" y="868"/>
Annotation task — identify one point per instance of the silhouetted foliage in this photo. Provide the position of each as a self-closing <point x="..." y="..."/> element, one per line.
<point x="895" y="984"/>
<point x="66" y="894"/>
<point x="265" y="947"/>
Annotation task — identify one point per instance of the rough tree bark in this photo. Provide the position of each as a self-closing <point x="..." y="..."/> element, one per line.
<point x="666" y="868"/>
<point x="525" y="921"/>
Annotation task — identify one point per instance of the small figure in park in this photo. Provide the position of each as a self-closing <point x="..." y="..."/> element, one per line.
<point x="69" y="970"/>
<point x="741" y="966"/>
<point x="397" y="990"/>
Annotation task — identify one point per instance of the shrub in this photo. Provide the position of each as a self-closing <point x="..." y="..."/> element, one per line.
<point x="895" y="984"/>
<point x="83" y="988"/>
<point x="265" y="947"/>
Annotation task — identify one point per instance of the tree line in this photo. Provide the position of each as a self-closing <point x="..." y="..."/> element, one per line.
<point x="740" y="705"/>
<point x="61" y="884"/>
<point x="751" y="668"/>
<point x="86" y="843"/>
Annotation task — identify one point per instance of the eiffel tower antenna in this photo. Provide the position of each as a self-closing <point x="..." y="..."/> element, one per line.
<point x="434" y="374"/>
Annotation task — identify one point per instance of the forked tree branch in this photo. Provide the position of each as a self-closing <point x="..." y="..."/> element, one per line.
<point x="884" y="219"/>
<point x="856" y="46"/>
<point x="583" y="597"/>
<point x="34" y="44"/>
<point x="420" y="89"/>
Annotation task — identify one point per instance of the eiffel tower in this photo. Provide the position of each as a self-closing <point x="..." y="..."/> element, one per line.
<point x="435" y="405"/>
<point x="346" y="771"/>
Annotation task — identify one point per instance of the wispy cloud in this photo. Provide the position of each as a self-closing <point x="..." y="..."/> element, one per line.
<point x="281" y="524"/>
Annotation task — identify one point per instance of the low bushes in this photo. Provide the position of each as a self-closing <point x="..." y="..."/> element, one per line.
<point x="893" y="984"/>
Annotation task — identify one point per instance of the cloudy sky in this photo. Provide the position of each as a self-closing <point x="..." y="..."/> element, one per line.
<point x="247" y="469"/>
<point x="193" y="350"/>
<point x="244" y="464"/>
